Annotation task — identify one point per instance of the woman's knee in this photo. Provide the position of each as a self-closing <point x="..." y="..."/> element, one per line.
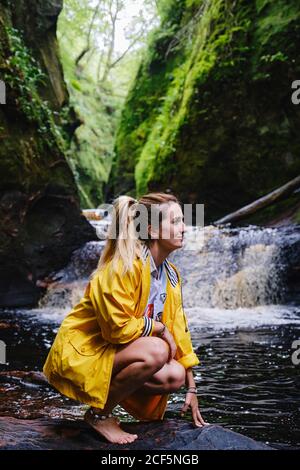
<point x="156" y="352"/>
<point x="150" y="352"/>
<point x="176" y="377"/>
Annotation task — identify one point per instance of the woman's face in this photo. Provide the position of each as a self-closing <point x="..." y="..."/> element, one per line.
<point x="172" y="227"/>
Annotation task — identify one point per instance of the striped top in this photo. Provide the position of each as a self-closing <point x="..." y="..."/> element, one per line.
<point x="158" y="290"/>
<point x="172" y="275"/>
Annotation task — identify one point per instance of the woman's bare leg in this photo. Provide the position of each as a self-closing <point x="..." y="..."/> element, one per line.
<point x="168" y="379"/>
<point x="134" y="364"/>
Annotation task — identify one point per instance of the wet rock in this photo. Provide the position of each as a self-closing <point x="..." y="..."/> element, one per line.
<point x="39" y="427"/>
<point x="7" y="326"/>
<point x="167" y="435"/>
<point x="31" y="376"/>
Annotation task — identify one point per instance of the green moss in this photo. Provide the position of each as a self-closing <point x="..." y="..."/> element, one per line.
<point x="194" y="71"/>
<point x="274" y="18"/>
<point x="91" y="151"/>
<point x="32" y="142"/>
<point x="23" y="77"/>
<point x="296" y="217"/>
<point x="210" y="111"/>
<point x="145" y="100"/>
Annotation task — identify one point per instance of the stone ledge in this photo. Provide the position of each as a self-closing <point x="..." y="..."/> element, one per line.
<point x="60" y="434"/>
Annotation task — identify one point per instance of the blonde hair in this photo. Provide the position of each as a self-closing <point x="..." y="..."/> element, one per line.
<point x="123" y="242"/>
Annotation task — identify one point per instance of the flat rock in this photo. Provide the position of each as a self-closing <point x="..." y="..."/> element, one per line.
<point x="172" y="434"/>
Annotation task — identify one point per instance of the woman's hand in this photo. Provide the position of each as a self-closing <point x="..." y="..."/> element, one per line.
<point x="168" y="337"/>
<point x="191" y="400"/>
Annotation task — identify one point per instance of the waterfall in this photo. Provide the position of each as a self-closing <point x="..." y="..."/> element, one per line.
<point x="232" y="268"/>
<point x="229" y="275"/>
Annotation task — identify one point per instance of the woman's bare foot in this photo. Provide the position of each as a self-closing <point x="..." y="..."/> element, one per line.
<point x="109" y="428"/>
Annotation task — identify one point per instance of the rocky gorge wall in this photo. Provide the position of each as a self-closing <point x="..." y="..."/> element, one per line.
<point x="40" y="218"/>
<point x="210" y="114"/>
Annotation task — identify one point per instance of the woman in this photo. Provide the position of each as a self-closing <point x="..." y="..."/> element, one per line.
<point x="127" y="342"/>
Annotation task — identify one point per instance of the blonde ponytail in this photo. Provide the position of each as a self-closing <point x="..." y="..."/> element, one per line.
<point x="123" y="242"/>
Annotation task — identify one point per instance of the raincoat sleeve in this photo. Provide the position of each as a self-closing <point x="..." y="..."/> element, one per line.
<point x="112" y="297"/>
<point x="185" y="354"/>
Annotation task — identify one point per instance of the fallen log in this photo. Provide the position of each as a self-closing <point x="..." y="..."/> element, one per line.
<point x="265" y="201"/>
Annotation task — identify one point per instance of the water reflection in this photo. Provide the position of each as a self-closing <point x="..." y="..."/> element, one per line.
<point x="243" y="325"/>
<point x="246" y="380"/>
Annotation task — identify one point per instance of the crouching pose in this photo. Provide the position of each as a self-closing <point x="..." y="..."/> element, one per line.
<point x="127" y="342"/>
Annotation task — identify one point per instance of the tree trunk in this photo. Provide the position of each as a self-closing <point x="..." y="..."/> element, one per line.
<point x="277" y="195"/>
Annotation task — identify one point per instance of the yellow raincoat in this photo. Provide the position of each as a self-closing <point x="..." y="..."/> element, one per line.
<point x="80" y="361"/>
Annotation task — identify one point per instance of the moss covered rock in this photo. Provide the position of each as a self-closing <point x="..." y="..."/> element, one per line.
<point x="40" y="219"/>
<point x="210" y="114"/>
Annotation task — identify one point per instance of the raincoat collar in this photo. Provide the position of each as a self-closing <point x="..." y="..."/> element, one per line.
<point x="172" y="275"/>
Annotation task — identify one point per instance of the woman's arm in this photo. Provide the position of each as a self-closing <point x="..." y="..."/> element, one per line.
<point x="191" y="400"/>
<point x="190" y="381"/>
<point x="160" y="330"/>
<point x="113" y="301"/>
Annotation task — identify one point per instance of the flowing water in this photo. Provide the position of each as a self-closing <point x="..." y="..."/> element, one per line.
<point x="241" y="297"/>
